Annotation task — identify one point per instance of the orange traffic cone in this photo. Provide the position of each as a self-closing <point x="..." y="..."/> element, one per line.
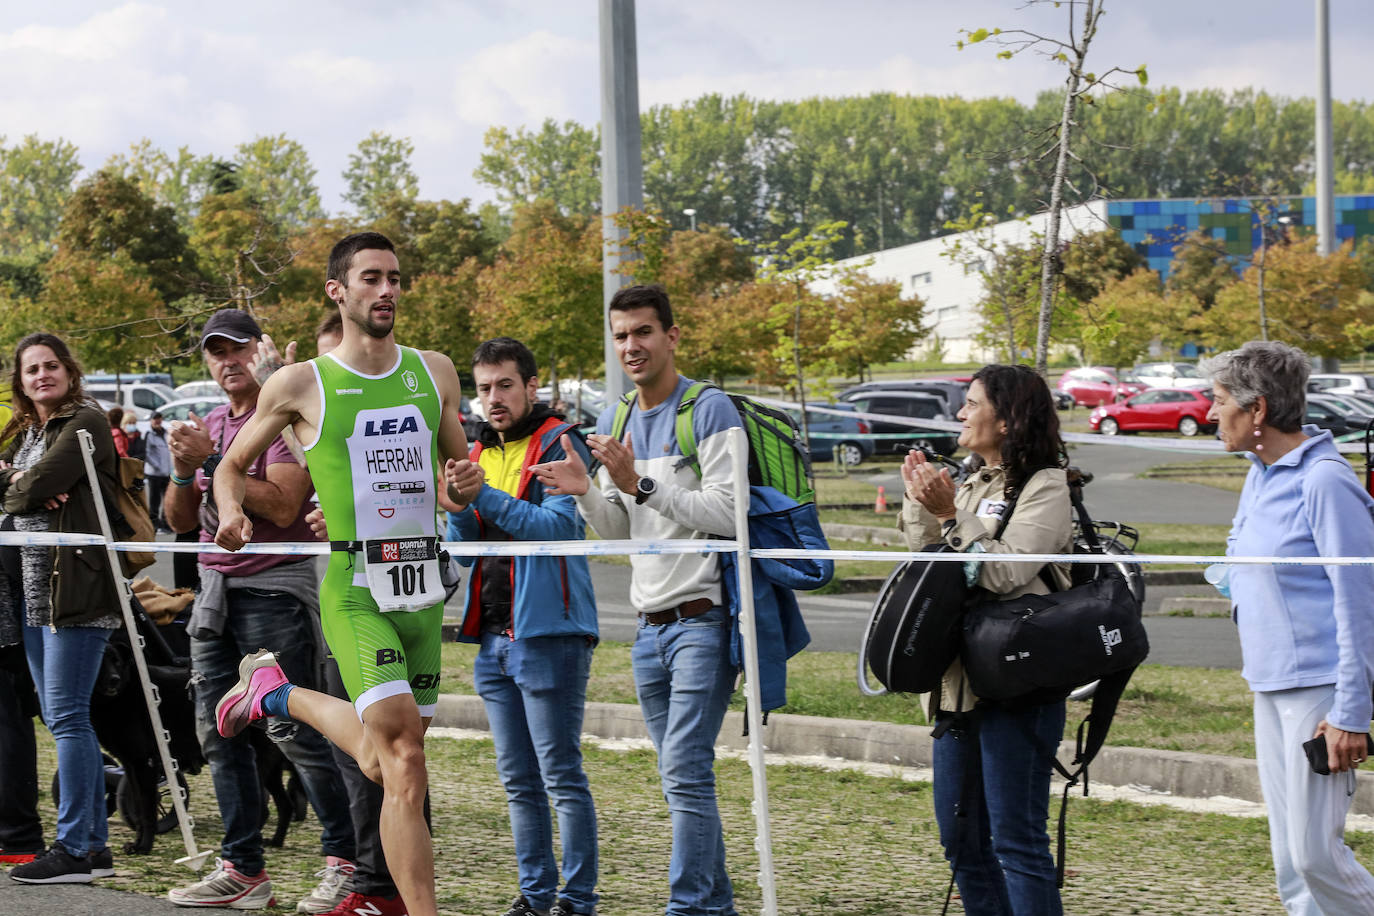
<point x="880" y="504"/>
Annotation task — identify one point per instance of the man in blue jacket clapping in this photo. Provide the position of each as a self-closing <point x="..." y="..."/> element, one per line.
<point x="535" y="620"/>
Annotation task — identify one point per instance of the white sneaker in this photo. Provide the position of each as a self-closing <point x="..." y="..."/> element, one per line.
<point x="336" y="883"/>
<point x="226" y="886"/>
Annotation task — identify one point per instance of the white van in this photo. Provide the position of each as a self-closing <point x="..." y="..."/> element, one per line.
<point x="141" y="397"/>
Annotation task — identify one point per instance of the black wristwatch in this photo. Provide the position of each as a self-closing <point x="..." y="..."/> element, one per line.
<point x="644" y="489"/>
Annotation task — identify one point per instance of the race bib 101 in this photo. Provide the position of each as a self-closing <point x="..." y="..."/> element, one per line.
<point x="403" y="573"/>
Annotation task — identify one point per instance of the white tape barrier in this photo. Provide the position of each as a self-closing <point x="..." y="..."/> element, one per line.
<point x="51" y="539"/>
<point x="1143" y="559"/>
<point x="455" y="548"/>
<point x="676" y="546"/>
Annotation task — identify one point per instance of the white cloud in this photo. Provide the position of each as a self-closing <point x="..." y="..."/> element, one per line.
<point x="538" y="75"/>
<point x="327" y="72"/>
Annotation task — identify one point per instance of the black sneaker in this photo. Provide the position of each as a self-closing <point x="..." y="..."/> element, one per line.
<point x="102" y="863"/>
<point x="564" y="907"/>
<point x="521" y="907"/>
<point x="56" y="866"/>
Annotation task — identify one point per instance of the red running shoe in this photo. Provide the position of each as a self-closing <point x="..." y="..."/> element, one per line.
<point x="17" y="858"/>
<point x="356" y="904"/>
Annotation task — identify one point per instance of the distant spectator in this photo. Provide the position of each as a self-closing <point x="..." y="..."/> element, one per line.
<point x="121" y="441"/>
<point x="157" y="468"/>
<point x="137" y="446"/>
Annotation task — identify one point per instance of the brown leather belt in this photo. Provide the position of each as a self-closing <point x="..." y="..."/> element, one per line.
<point x="681" y="612"/>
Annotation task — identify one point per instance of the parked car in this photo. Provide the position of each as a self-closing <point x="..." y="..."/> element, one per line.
<point x="1326" y="418"/>
<point x="1333" y="382"/>
<point x="201" y="388"/>
<point x="1171" y="375"/>
<point x="182" y="408"/>
<point x="157" y="378"/>
<point x="1183" y="409"/>
<point x="909" y="405"/>
<point x="1355" y="411"/>
<point x="950" y="391"/>
<point x="830" y="433"/>
<point x="1095" y="385"/>
<point x="140" y="397"/>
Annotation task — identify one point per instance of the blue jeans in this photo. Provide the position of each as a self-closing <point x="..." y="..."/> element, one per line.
<point x="65" y="663"/>
<point x="684" y="680"/>
<point x="260" y="619"/>
<point x="534" y="691"/>
<point x="992" y="786"/>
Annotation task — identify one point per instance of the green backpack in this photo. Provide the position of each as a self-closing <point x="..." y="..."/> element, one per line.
<point x="777" y="456"/>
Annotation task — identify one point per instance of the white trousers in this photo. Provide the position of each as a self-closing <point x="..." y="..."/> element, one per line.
<point x="1317" y="873"/>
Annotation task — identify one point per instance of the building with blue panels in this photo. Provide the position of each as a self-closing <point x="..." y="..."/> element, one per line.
<point x="1155" y="227"/>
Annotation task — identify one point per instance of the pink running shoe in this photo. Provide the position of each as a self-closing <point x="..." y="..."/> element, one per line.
<point x="259" y="675"/>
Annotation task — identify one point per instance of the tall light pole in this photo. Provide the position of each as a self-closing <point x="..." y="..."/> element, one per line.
<point x="622" y="169"/>
<point x="1326" y="195"/>
<point x="691" y="213"/>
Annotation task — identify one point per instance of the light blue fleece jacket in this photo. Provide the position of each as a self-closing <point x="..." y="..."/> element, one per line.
<point x="1306" y="626"/>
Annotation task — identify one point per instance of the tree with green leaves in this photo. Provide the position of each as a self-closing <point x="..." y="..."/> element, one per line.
<point x="559" y="163"/>
<point x="379" y="175"/>
<point x="870" y="322"/>
<point x="1316" y="302"/>
<point x="794" y="263"/>
<point x="179" y="183"/>
<point x="36" y="178"/>
<point x="243" y="254"/>
<point x="545" y="290"/>
<point x="1201" y="268"/>
<point x="1079" y="86"/>
<point x="1126" y="315"/>
<point x="109" y="216"/>
<point x="706" y="275"/>
<point x="107" y="308"/>
<point x="277" y="173"/>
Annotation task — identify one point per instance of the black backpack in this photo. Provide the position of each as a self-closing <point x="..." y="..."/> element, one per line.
<point x="914" y="631"/>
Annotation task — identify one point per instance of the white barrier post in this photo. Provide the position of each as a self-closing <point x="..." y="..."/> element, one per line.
<point x="763" y="840"/>
<point x="193" y="859"/>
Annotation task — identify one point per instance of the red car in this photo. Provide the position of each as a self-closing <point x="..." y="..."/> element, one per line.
<point x="1183" y="409"/>
<point x="1094" y="385"/>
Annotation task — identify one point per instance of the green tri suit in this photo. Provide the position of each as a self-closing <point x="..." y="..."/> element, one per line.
<point x="373" y="465"/>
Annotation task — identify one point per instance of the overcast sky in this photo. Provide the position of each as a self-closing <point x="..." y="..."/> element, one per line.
<point x="326" y="72"/>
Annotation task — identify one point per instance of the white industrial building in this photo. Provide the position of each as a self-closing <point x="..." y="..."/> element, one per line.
<point x="949" y="288"/>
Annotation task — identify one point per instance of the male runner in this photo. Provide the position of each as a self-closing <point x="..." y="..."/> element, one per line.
<point x="369" y="416"/>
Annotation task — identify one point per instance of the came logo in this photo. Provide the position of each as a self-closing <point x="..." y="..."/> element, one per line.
<point x="1109" y="638"/>
<point x="411" y="381"/>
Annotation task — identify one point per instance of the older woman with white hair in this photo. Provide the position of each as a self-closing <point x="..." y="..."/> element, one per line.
<point x="1306" y="632"/>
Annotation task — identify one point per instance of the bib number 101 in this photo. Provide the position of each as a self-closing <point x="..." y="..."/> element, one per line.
<point x="407" y="579"/>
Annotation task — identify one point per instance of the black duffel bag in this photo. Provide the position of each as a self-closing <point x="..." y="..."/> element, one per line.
<point x="1038" y="644"/>
<point x="914" y="631"/>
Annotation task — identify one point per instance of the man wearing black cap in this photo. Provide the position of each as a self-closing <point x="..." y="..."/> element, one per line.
<point x="247" y="602"/>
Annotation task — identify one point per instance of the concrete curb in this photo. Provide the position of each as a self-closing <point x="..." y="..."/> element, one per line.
<point x="1163" y="772"/>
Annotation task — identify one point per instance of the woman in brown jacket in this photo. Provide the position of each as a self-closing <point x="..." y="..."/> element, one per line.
<point x="69" y="599"/>
<point x="992" y="761"/>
